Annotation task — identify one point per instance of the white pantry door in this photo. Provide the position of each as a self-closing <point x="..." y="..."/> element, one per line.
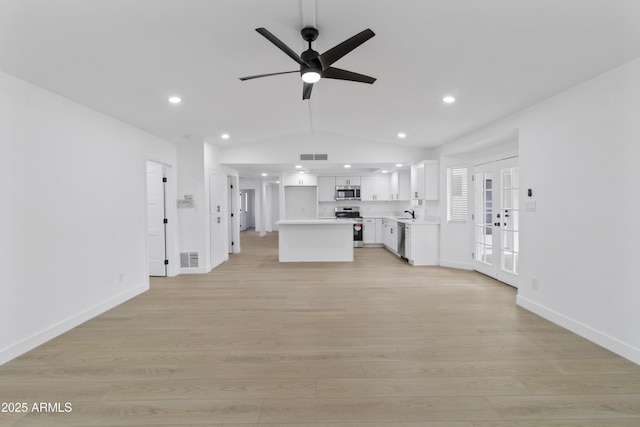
<point x="156" y="216"/>
<point x="497" y="220"/>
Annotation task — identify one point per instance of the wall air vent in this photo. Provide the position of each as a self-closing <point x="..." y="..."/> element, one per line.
<point x="188" y="259"/>
<point x="314" y="157"/>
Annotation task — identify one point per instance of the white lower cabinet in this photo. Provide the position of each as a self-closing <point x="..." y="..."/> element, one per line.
<point x="390" y="235"/>
<point x="407" y="242"/>
<point x="421" y="244"/>
<point x="369" y="231"/>
<point x="373" y="234"/>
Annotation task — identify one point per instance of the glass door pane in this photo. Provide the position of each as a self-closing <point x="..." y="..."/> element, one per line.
<point x="484" y="217"/>
<point x="510" y="219"/>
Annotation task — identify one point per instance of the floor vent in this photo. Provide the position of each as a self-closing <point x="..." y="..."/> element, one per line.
<point x="314" y="157"/>
<point x="188" y="259"/>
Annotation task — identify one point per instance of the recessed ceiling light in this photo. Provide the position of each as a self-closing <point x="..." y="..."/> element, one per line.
<point x="300" y="171"/>
<point x="449" y="99"/>
<point x="225" y="136"/>
<point x="402" y="135"/>
<point x="398" y="165"/>
<point x="385" y="171"/>
<point x="298" y="167"/>
<point x="175" y="100"/>
<point x="264" y="174"/>
<point x="347" y="166"/>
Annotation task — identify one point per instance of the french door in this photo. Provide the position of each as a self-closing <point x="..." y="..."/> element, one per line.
<point x="497" y="220"/>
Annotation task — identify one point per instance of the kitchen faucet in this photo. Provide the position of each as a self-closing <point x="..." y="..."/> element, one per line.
<point x="413" y="213"/>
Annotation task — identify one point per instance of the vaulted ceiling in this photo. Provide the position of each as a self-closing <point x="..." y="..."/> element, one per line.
<point x="126" y="57"/>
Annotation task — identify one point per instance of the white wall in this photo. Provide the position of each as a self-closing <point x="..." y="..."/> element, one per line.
<point x="579" y="153"/>
<point x="287" y="149"/>
<point x="456" y="238"/>
<point x="275" y="207"/>
<point x="196" y="159"/>
<point x="73" y="213"/>
<point x="193" y="222"/>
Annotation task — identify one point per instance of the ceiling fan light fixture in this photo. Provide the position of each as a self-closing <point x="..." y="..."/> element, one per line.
<point x="311" y="76"/>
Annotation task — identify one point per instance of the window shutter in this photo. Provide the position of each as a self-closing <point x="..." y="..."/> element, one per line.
<point x="457" y="194"/>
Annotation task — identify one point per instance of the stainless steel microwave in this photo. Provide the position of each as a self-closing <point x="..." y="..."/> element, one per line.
<point x="351" y="192"/>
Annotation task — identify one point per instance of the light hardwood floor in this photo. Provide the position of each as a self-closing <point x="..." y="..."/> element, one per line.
<point x="375" y="342"/>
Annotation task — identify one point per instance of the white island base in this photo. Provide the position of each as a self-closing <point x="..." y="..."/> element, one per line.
<point x="315" y="240"/>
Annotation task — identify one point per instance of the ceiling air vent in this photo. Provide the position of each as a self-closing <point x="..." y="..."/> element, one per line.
<point x="188" y="259"/>
<point x="314" y="157"/>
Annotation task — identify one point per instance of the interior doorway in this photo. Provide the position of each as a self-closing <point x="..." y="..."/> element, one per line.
<point x="157" y="219"/>
<point x="497" y="220"/>
<point x="247" y="209"/>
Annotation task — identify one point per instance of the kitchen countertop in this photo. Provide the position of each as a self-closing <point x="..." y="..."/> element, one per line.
<point x="408" y="220"/>
<point x="417" y="221"/>
<point x="319" y="221"/>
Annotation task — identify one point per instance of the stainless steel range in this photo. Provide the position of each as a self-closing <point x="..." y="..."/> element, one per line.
<point x="352" y="213"/>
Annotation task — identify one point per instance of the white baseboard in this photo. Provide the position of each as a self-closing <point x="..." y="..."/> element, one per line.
<point x="610" y="343"/>
<point x="455" y="264"/>
<point x="197" y="270"/>
<point x="39" y="338"/>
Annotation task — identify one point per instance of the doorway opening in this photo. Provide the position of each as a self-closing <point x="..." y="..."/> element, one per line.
<point x="247" y="209"/>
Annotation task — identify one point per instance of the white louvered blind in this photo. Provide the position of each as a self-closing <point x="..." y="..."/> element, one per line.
<point x="457" y="194"/>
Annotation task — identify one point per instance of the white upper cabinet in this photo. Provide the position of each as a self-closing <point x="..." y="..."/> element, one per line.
<point x="301" y="179"/>
<point x="424" y="180"/>
<point x="375" y="188"/>
<point x="348" y="180"/>
<point x="326" y="188"/>
<point x="400" y="185"/>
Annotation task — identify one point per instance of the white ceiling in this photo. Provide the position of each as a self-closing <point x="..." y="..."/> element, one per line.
<point x="126" y="57"/>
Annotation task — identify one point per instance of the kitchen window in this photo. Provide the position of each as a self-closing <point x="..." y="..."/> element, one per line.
<point x="457" y="194"/>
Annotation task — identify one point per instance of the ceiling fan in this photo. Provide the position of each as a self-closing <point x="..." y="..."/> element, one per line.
<point x="314" y="66"/>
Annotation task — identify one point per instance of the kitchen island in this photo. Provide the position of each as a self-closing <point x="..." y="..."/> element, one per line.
<point x="315" y="240"/>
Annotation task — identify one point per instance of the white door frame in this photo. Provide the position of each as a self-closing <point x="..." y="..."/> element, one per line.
<point x="160" y="241"/>
<point x="234" y="214"/>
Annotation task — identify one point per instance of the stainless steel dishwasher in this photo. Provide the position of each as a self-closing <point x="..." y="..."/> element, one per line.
<point x="401" y="239"/>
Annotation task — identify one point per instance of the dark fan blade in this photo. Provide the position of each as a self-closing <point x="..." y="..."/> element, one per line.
<point x="267" y="75"/>
<point x="337" y="52"/>
<point x="306" y="90"/>
<point x="338" y="74"/>
<point x="283" y="47"/>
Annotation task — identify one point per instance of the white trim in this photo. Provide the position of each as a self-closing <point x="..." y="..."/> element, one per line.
<point x="39" y="338"/>
<point x="457" y="264"/>
<point x="579" y="328"/>
<point x="198" y="270"/>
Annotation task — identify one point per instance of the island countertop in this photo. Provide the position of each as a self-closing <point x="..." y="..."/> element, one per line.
<point x="315" y="240"/>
